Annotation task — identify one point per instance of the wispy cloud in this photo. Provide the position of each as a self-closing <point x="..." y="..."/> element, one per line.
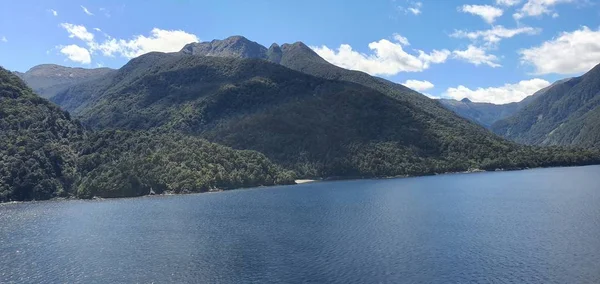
<point x="105" y="11"/>
<point x="486" y="12"/>
<point x="53" y="12"/>
<point x="494" y="35"/>
<point x="412" y="8"/>
<point x="3" y="39"/>
<point x="85" y="10"/>
<point x="477" y="56"/>
<point x="534" y="8"/>
<point x="507" y="2"/>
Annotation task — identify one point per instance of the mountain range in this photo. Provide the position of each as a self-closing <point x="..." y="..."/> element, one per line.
<point x="47" y="80"/>
<point x="568" y="113"/>
<point x="282" y="107"/>
<point x="486" y="114"/>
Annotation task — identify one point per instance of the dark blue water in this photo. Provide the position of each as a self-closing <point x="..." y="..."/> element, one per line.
<point x="535" y="226"/>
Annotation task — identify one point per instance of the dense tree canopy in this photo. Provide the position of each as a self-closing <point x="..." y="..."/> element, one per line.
<point x="314" y="126"/>
<point x="45" y="154"/>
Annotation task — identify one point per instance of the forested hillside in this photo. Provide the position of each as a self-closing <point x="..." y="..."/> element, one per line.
<point x="45" y="154"/>
<point x="315" y="126"/>
<point x="37" y="151"/>
<point x="568" y="114"/>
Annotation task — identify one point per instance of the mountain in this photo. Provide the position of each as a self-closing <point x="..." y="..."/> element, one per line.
<point x="48" y="79"/>
<point x="316" y="126"/>
<point x="567" y="114"/>
<point x="37" y="154"/>
<point x="484" y="114"/>
<point x="44" y="154"/>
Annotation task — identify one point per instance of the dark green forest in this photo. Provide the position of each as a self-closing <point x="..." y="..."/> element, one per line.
<point x="181" y="123"/>
<point x="567" y="114"/>
<point x="313" y="126"/>
<point x="45" y="154"/>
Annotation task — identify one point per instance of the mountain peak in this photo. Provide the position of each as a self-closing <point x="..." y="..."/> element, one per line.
<point x="234" y="46"/>
<point x="466" y="100"/>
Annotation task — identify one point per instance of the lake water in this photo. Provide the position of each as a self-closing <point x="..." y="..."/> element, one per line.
<point x="534" y="226"/>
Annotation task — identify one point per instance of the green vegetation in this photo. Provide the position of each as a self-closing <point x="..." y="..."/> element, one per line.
<point x="484" y="114"/>
<point x="120" y="164"/>
<point x="296" y="116"/>
<point x="314" y="126"/>
<point x="45" y="154"/>
<point x="37" y="153"/>
<point x="567" y="114"/>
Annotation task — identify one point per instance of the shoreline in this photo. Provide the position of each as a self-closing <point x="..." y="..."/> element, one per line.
<point x="298" y="182"/>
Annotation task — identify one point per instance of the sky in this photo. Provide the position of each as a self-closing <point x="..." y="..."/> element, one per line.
<point x="497" y="51"/>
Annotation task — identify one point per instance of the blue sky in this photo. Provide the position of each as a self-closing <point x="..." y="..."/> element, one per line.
<point x="488" y="50"/>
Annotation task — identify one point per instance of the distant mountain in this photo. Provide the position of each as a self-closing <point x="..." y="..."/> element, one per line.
<point x="48" y="79"/>
<point x="300" y="57"/>
<point x="45" y="154"/>
<point x="316" y="126"/>
<point x="567" y="114"/>
<point x="486" y="114"/>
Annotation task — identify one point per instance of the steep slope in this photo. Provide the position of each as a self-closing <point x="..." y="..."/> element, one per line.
<point x="299" y="57"/>
<point x="315" y="126"/>
<point x="48" y="79"/>
<point x="567" y="114"/>
<point x="45" y="154"/>
<point x="484" y="114"/>
<point x="37" y="153"/>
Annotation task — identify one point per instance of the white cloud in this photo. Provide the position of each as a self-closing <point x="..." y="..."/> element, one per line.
<point x="76" y="53"/>
<point x="570" y="53"/>
<point x="106" y="12"/>
<point x="85" y="10"/>
<point x="477" y="56"/>
<point x="415" y="11"/>
<point x="507" y="2"/>
<point x="77" y="31"/>
<point x="494" y="35"/>
<point x="159" y="40"/>
<point x="486" y="12"/>
<point x="414" y="8"/>
<point x="3" y="39"/>
<point x="418" y="85"/>
<point x="498" y="95"/>
<point x="402" y="40"/>
<point x="54" y="12"/>
<point x="387" y="58"/>
<point x="538" y="7"/>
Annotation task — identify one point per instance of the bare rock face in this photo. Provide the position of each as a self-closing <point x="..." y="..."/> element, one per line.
<point x="235" y="47"/>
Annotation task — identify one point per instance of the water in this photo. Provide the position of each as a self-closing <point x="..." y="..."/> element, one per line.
<point x="535" y="226"/>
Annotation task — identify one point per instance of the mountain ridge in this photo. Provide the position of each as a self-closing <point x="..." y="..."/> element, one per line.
<point x="49" y="79"/>
<point x="568" y="114"/>
<point x="316" y="125"/>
